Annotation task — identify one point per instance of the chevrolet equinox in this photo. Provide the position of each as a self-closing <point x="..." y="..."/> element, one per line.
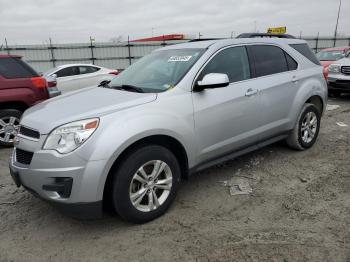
<point x="176" y="111"/>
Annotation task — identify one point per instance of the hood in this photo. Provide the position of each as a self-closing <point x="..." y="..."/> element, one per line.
<point x="82" y="104"/>
<point x="343" y="61"/>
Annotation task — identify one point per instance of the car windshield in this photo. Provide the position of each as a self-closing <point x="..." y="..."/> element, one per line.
<point x="158" y="71"/>
<point x="330" y="55"/>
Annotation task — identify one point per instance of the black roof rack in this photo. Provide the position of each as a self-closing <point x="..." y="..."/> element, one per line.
<point x="205" y="39"/>
<point x="257" y="35"/>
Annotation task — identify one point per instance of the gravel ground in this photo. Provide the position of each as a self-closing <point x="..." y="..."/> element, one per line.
<point x="299" y="210"/>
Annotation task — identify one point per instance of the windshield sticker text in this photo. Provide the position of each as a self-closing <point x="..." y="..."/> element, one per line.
<point x="180" y="58"/>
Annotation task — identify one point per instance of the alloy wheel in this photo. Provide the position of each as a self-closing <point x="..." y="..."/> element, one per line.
<point x="309" y="127"/>
<point x="151" y="185"/>
<point x="9" y="126"/>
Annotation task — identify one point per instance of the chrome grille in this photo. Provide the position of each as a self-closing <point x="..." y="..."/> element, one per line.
<point x="345" y="70"/>
<point x="26" y="131"/>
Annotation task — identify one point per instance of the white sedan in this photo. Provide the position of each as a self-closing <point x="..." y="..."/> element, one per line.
<point x="76" y="76"/>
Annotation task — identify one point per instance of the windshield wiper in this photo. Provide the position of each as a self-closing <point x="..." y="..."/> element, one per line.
<point x="105" y="83"/>
<point x="128" y="88"/>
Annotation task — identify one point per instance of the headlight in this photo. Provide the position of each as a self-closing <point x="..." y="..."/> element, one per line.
<point x="66" y="138"/>
<point x="334" y="68"/>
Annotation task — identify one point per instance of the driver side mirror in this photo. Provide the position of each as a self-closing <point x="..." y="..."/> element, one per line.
<point x="212" y="80"/>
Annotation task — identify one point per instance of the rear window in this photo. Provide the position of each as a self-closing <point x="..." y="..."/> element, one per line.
<point x="305" y="50"/>
<point x="11" y="67"/>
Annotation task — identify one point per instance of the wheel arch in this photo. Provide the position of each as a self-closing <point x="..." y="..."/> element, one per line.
<point x="17" y="105"/>
<point x="169" y="142"/>
<point x="317" y="101"/>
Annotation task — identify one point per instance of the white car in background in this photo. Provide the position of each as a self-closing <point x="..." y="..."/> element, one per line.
<point x="76" y="76"/>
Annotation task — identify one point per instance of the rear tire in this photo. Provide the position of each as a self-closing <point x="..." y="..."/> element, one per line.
<point x="9" y="124"/>
<point x="306" y="130"/>
<point x="145" y="184"/>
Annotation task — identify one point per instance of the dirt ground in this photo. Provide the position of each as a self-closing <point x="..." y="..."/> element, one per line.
<point x="299" y="210"/>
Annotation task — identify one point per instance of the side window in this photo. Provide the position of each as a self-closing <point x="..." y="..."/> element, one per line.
<point x="231" y="61"/>
<point x="68" y="71"/>
<point x="292" y="64"/>
<point x="268" y="60"/>
<point x="88" y="69"/>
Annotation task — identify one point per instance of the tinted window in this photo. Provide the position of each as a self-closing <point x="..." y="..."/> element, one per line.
<point x="68" y="71"/>
<point x="305" y="50"/>
<point x="15" y="68"/>
<point x="88" y="69"/>
<point x="231" y="61"/>
<point x="268" y="60"/>
<point x="292" y="64"/>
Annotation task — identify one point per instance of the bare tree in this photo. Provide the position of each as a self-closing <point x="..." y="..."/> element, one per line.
<point x="117" y="39"/>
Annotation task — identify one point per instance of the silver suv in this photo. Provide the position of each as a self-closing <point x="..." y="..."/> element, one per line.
<point x="179" y="110"/>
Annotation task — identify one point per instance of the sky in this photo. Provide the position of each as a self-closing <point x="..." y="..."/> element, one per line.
<point x="65" y="21"/>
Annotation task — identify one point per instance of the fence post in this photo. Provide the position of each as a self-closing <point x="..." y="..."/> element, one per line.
<point x="7" y="47"/>
<point x="52" y="53"/>
<point x="92" y="51"/>
<point x="129" y="51"/>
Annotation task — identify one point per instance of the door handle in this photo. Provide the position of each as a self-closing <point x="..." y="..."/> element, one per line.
<point x="295" y="79"/>
<point x="251" y="92"/>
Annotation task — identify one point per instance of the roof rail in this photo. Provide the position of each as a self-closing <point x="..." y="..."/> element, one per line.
<point x="257" y="35"/>
<point x="205" y="39"/>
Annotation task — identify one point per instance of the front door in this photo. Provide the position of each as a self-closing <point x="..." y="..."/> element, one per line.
<point x="227" y="119"/>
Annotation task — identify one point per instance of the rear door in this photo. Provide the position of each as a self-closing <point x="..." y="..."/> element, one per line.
<point x="277" y="79"/>
<point x="226" y="119"/>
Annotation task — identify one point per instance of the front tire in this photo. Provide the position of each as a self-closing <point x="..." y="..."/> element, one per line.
<point x="306" y="130"/>
<point x="9" y="125"/>
<point x="145" y="184"/>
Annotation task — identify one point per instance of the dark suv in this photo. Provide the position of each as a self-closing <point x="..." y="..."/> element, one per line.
<point x="20" y="87"/>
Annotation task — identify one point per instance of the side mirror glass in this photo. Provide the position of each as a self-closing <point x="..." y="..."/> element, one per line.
<point x="213" y="80"/>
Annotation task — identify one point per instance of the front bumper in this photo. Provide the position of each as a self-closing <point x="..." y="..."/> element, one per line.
<point x="70" y="183"/>
<point x="53" y="92"/>
<point x="341" y="84"/>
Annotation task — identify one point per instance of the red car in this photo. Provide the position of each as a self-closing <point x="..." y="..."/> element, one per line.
<point x="20" y="87"/>
<point x="330" y="55"/>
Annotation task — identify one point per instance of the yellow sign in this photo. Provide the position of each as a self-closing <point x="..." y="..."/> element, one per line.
<point x="277" y="30"/>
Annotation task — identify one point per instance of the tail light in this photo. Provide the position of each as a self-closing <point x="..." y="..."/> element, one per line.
<point x="325" y="73"/>
<point x="39" y="82"/>
<point x="114" y="72"/>
<point x="51" y="83"/>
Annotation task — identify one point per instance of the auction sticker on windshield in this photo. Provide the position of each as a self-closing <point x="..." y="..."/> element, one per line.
<point x="183" y="58"/>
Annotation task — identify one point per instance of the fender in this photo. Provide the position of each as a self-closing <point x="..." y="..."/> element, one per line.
<point x="309" y="87"/>
<point x="129" y="126"/>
